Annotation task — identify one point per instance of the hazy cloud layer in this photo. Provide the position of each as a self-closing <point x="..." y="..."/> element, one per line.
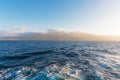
<point x="53" y="34"/>
<point x="12" y="32"/>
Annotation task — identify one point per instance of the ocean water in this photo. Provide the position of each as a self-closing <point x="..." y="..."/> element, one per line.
<point x="59" y="60"/>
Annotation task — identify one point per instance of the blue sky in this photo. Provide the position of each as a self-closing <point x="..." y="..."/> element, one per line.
<point x="91" y="16"/>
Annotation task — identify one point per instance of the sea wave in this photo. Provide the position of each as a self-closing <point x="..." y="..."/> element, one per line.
<point x="61" y="61"/>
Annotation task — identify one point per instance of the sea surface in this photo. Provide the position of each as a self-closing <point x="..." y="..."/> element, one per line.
<point x="59" y="60"/>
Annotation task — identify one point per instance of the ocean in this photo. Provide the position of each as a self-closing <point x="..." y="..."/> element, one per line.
<point x="59" y="60"/>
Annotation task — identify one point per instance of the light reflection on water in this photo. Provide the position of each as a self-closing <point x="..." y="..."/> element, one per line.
<point x="59" y="60"/>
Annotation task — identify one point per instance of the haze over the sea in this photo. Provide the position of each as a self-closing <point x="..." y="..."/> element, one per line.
<point x="60" y="20"/>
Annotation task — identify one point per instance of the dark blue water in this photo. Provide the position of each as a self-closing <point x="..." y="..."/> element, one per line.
<point x="59" y="60"/>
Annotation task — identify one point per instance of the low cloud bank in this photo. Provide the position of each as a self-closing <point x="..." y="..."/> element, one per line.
<point x="12" y="32"/>
<point x="54" y="34"/>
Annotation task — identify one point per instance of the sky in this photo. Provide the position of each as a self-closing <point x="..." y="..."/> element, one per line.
<point x="91" y="16"/>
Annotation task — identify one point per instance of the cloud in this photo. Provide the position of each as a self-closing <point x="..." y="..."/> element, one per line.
<point x="55" y="30"/>
<point x="18" y="30"/>
<point x="12" y="32"/>
<point x="54" y="34"/>
<point x="6" y="33"/>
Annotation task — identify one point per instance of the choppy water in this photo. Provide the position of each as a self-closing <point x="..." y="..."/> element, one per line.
<point x="54" y="60"/>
